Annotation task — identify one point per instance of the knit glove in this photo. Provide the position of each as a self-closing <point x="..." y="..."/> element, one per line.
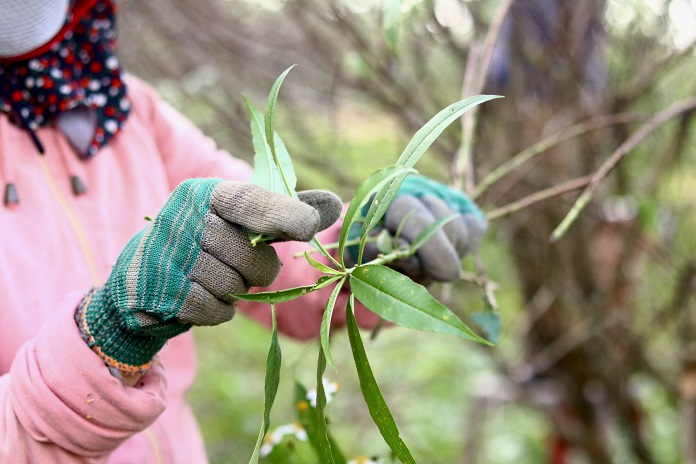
<point x="180" y="270"/>
<point x="418" y="203"/>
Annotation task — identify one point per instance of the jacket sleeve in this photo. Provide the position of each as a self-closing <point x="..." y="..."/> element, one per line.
<point x="56" y="410"/>
<point x="187" y="153"/>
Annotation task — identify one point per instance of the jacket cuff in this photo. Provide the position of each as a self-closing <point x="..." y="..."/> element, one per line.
<point x="62" y="393"/>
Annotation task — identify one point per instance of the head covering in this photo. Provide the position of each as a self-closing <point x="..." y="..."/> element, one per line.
<point x="75" y="76"/>
<point x="28" y="24"/>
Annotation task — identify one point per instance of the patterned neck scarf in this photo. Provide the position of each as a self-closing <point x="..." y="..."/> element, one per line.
<point x="78" y="68"/>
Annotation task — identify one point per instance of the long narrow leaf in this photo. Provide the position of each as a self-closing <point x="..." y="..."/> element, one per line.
<point x="326" y="322"/>
<point x="427" y="134"/>
<point x="287" y="294"/>
<point x="397" y="299"/>
<point x="415" y="150"/>
<point x="373" y="397"/>
<point x="320" y="266"/>
<point x="264" y="175"/>
<point x="287" y="173"/>
<point x="379" y="205"/>
<point x="431" y="230"/>
<point x="322" y="429"/>
<point x="307" y="416"/>
<point x="273" y="362"/>
<point x="366" y="189"/>
<point x="285" y="166"/>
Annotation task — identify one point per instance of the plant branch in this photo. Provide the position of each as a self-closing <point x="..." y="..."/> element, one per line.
<point x="655" y="122"/>
<point x="542" y="146"/>
<point x="542" y="195"/>
<point x="479" y="60"/>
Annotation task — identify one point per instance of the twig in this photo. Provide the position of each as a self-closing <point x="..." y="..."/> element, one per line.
<point x="540" y="147"/>
<point x="476" y="279"/>
<point x="569" y="186"/>
<point x="463" y="163"/>
<point x="613" y="160"/>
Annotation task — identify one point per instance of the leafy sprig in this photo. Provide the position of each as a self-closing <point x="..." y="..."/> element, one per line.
<point x="388" y="293"/>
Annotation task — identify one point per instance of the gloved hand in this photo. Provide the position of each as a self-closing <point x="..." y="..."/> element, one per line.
<point x="180" y="270"/>
<point x="420" y="202"/>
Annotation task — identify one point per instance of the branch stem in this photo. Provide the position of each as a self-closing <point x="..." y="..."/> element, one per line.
<point x="655" y="122"/>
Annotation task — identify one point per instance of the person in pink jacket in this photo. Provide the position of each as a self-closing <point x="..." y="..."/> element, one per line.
<point x="96" y="302"/>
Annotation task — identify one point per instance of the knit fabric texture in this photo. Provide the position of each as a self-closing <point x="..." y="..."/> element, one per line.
<point x="28" y="24"/>
<point x="418" y="203"/>
<point x="182" y="269"/>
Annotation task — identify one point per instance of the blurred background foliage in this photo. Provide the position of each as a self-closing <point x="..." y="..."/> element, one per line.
<point x="597" y="357"/>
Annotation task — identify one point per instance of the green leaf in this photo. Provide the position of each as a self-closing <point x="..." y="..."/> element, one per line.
<point x="397" y="299"/>
<point x="288" y="294"/>
<point x="427" y="134"/>
<point x="431" y="230"/>
<point x="322" y="429"/>
<point x="390" y="23"/>
<point x="265" y="173"/>
<point x="414" y="151"/>
<point x="285" y="166"/>
<point x="321" y="266"/>
<point x="280" y="154"/>
<point x="307" y="416"/>
<point x="373" y="397"/>
<point x="490" y="323"/>
<point x="363" y="193"/>
<point x="273" y="362"/>
<point x="379" y="205"/>
<point x="326" y="322"/>
<point x="488" y="320"/>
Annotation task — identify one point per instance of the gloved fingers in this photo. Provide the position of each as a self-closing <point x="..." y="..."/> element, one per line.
<point x="438" y="257"/>
<point x="217" y="277"/>
<point x="477" y="229"/>
<point x="203" y="308"/>
<point x="411" y="266"/>
<point x="327" y="204"/>
<point x="258" y="265"/>
<point x="263" y="211"/>
<point x="455" y="230"/>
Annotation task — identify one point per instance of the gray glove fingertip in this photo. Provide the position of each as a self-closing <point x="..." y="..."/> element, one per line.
<point x="263" y="211"/>
<point x="438" y="257"/>
<point x="328" y="205"/>
<point x="203" y="308"/>
<point x="476" y="228"/>
<point x="455" y="230"/>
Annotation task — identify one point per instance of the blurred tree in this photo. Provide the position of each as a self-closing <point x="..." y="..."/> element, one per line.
<point x="606" y="310"/>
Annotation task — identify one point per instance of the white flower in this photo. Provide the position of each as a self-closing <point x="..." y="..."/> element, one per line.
<point x="276" y="436"/>
<point x="330" y="389"/>
<point x="364" y="460"/>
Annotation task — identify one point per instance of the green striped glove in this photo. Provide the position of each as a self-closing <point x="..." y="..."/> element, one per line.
<point x="180" y="270"/>
<point x="418" y="203"/>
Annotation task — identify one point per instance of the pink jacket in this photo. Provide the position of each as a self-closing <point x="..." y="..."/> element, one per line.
<point x="58" y="402"/>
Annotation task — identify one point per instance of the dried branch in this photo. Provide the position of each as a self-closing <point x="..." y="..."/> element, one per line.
<point x="552" y="192"/>
<point x="542" y="146"/>
<point x="474" y="82"/>
<point x="654" y="123"/>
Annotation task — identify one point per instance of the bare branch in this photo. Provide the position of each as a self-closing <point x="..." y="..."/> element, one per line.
<point x="654" y="123"/>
